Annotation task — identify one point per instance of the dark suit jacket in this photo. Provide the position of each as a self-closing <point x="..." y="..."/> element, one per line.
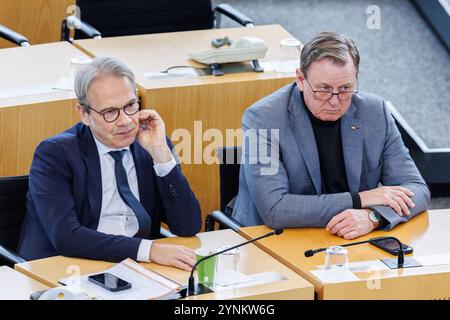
<point x="65" y="196"/>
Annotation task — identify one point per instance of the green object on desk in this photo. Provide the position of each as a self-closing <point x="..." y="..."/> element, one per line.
<point x="206" y="270"/>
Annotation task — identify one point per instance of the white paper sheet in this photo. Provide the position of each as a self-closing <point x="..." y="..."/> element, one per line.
<point x="257" y="278"/>
<point x="363" y="266"/>
<point x="6" y="93"/>
<point x="230" y="277"/>
<point x="334" y="276"/>
<point x="145" y="283"/>
<point x="65" y="83"/>
<point x="433" y="260"/>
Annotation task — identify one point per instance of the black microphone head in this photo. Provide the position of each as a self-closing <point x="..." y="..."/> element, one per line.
<point x="309" y="253"/>
<point x="278" y="231"/>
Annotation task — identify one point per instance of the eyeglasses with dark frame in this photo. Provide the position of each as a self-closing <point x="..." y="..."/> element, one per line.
<point x="327" y="95"/>
<point x="112" y="114"/>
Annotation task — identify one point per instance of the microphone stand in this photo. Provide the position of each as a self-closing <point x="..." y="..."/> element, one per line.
<point x="193" y="289"/>
<point x="391" y="263"/>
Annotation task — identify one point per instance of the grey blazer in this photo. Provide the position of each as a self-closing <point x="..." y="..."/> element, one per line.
<point x="282" y="187"/>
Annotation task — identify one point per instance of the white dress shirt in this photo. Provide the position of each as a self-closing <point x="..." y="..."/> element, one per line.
<point x="116" y="217"/>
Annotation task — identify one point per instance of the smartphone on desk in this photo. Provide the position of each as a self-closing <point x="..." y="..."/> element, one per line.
<point x="109" y="282"/>
<point x="391" y="246"/>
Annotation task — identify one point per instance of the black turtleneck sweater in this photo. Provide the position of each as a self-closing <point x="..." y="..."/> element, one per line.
<point x="331" y="157"/>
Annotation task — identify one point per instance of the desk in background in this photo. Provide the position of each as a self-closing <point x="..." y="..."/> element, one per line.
<point x="17" y="286"/>
<point x="30" y="110"/>
<point x="252" y="260"/>
<point x="218" y="102"/>
<point x="427" y="234"/>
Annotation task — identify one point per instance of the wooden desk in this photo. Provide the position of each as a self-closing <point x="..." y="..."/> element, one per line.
<point x="195" y="103"/>
<point x="252" y="260"/>
<point x="30" y="110"/>
<point x="427" y="233"/>
<point x="17" y="286"/>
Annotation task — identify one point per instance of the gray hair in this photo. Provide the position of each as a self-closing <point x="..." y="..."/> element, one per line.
<point x="98" y="68"/>
<point x="328" y="45"/>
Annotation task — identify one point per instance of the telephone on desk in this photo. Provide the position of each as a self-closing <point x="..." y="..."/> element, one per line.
<point x="244" y="49"/>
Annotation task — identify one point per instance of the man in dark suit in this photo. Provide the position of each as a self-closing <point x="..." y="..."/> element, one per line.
<point x="101" y="189"/>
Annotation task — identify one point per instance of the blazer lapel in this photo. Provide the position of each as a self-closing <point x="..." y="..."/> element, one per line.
<point x="93" y="182"/>
<point x="301" y="127"/>
<point x="352" y="147"/>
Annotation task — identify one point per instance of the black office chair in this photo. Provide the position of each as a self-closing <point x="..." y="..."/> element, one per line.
<point x="133" y="17"/>
<point x="230" y="159"/>
<point x="13" y="192"/>
<point x="13" y="36"/>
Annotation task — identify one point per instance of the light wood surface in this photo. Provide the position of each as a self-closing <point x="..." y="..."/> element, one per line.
<point x="30" y="110"/>
<point x="427" y="234"/>
<point x="29" y="73"/>
<point x="153" y="53"/>
<point x="38" y="20"/>
<point x="196" y="103"/>
<point x="17" y="286"/>
<point x="252" y="260"/>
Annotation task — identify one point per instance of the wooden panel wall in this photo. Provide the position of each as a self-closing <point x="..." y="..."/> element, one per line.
<point x="38" y="20"/>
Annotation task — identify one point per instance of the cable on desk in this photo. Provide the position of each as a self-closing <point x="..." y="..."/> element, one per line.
<point x="176" y="67"/>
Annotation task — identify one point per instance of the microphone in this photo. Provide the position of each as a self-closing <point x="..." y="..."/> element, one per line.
<point x="191" y="289"/>
<point x="401" y="253"/>
<point x="311" y="252"/>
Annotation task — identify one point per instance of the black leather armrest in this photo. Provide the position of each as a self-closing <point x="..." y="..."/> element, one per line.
<point x="73" y="22"/>
<point x="89" y="30"/>
<point x="223" y="219"/>
<point x="13" y="36"/>
<point x="233" y="14"/>
<point x="9" y="256"/>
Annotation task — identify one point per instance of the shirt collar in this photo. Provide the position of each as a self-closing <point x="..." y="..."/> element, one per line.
<point x="316" y="121"/>
<point x="103" y="149"/>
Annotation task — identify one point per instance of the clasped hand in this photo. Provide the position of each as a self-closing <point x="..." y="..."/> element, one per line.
<point x="353" y="223"/>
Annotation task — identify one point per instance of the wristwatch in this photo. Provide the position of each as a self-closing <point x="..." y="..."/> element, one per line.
<point x="374" y="217"/>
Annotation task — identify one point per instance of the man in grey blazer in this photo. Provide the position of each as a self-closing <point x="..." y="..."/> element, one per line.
<point x="318" y="153"/>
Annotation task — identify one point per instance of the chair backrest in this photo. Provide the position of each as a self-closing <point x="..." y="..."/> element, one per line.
<point x="13" y="191"/>
<point x="230" y="160"/>
<point x="130" y="17"/>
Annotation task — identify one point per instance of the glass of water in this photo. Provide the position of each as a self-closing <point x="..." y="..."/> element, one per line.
<point x="228" y="262"/>
<point x="77" y="63"/>
<point x="336" y="258"/>
<point x="289" y="55"/>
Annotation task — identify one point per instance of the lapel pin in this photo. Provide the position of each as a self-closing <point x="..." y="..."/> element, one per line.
<point x="354" y="127"/>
